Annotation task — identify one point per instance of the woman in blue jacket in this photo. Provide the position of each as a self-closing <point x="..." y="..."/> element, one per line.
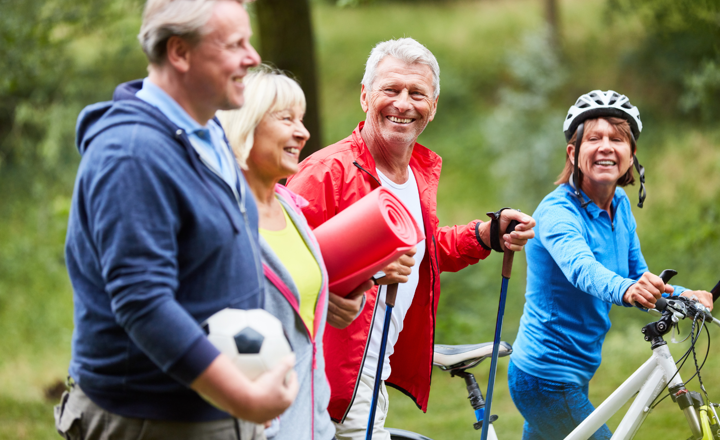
<point x="586" y="257"/>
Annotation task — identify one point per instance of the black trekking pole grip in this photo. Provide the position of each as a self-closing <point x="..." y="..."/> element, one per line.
<point x="508" y="255"/>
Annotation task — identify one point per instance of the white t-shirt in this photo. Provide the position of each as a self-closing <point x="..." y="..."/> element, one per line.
<point x="410" y="196"/>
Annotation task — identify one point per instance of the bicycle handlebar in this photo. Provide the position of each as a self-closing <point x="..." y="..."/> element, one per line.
<point x="683" y="306"/>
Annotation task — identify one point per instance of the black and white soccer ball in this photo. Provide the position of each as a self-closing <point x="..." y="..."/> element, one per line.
<point x="253" y="339"/>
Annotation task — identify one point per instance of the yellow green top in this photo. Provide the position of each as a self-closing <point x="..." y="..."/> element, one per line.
<point x="294" y="254"/>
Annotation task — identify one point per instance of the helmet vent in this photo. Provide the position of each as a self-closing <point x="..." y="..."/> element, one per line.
<point x="569" y="116"/>
<point x="582" y="104"/>
<point x="613" y="99"/>
<point x="627" y="105"/>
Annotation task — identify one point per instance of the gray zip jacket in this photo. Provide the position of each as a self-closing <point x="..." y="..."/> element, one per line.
<point x="307" y="417"/>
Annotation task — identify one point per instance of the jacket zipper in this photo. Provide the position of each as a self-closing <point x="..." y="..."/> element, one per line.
<point x="240" y="200"/>
<point x="363" y="169"/>
<point x="312" y="336"/>
<point x="434" y="312"/>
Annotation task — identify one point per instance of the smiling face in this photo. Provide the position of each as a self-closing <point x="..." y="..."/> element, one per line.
<point x="605" y="155"/>
<point x="400" y="103"/>
<point x="279" y="138"/>
<point x="218" y="63"/>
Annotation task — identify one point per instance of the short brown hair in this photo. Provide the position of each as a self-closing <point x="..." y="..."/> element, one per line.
<point x="621" y="127"/>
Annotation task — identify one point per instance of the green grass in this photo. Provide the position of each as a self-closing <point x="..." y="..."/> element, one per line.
<point x="473" y="42"/>
<point x="35" y="300"/>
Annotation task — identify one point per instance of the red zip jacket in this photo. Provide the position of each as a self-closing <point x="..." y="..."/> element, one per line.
<point x="333" y="179"/>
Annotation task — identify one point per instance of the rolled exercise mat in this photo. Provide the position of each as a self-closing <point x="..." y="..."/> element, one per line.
<point x="364" y="238"/>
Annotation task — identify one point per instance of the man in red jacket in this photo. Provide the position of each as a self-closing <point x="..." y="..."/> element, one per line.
<point x="399" y="94"/>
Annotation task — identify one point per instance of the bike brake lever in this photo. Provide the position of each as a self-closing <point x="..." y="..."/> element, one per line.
<point x="666" y="275"/>
<point x="661" y="302"/>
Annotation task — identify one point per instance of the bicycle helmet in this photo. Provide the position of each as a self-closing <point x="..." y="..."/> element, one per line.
<point x="598" y="104"/>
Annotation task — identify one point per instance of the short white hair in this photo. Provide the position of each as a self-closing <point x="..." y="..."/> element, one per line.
<point x="404" y="49"/>
<point x="267" y="90"/>
<point x="163" y="19"/>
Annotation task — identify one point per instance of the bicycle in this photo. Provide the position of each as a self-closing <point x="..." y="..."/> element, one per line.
<point x="648" y="382"/>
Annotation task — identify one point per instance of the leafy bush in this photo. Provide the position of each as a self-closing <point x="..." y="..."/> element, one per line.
<point x="524" y="131"/>
<point x="681" y="49"/>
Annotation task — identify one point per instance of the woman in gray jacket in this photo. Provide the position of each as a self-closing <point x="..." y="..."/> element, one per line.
<point x="267" y="135"/>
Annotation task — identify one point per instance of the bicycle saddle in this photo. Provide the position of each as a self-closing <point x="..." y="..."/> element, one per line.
<point x="461" y="357"/>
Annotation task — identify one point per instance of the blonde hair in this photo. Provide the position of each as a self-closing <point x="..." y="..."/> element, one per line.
<point x="267" y="90"/>
<point x="163" y="19"/>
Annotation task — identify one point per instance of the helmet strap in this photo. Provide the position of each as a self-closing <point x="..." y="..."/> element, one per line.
<point x="641" y="174"/>
<point x="576" y="171"/>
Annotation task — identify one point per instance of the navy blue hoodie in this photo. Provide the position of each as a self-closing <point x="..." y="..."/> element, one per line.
<point x="156" y="243"/>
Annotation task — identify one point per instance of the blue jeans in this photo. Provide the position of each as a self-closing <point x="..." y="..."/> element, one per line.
<point x="551" y="409"/>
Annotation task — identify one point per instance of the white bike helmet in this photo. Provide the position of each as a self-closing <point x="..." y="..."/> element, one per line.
<point x="598" y="104"/>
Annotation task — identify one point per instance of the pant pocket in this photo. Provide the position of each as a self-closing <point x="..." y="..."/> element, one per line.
<point x="67" y="418"/>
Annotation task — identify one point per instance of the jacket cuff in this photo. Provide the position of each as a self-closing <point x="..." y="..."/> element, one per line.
<point x="195" y="360"/>
<point x="362" y="306"/>
<point x="624" y="286"/>
<point x="478" y="238"/>
<point x="471" y="244"/>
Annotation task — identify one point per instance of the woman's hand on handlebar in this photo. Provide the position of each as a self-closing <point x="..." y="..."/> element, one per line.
<point x="647" y="290"/>
<point x="703" y="297"/>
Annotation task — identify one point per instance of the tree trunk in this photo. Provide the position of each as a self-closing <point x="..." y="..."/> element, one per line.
<point x="552" y="18"/>
<point x="286" y="40"/>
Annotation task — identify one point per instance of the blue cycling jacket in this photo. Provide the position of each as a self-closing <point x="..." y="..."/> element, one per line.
<point x="580" y="263"/>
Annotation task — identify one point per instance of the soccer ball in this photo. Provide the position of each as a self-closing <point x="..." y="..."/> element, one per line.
<point x="253" y="339"/>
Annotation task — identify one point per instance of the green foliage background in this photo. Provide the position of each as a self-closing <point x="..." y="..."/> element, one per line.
<point x="505" y="90"/>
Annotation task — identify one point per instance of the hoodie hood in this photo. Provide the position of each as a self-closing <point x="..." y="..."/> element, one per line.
<point x="125" y="108"/>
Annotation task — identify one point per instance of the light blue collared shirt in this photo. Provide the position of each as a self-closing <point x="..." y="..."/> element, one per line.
<point x="208" y="141"/>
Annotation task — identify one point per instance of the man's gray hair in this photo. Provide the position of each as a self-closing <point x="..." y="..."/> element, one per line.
<point x="404" y="49"/>
<point x="163" y="19"/>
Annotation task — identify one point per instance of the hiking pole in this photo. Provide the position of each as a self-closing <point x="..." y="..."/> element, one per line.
<point x="506" y="271"/>
<point x="391" y="293"/>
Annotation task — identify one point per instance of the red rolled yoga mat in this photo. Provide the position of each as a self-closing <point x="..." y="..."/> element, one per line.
<point x="364" y="238"/>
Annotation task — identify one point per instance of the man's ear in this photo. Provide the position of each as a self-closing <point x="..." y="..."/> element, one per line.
<point x="571" y="153"/>
<point x="363" y="98"/>
<point x="434" y="109"/>
<point x="178" y="53"/>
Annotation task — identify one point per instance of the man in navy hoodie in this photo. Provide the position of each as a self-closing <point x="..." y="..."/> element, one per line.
<point x="162" y="234"/>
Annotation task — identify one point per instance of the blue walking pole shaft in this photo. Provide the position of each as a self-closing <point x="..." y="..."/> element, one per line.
<point x="390" y="303"/>
<point x="506" y="272"/>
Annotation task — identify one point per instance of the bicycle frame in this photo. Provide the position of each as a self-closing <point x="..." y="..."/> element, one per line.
<point x="647" y="382"/>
